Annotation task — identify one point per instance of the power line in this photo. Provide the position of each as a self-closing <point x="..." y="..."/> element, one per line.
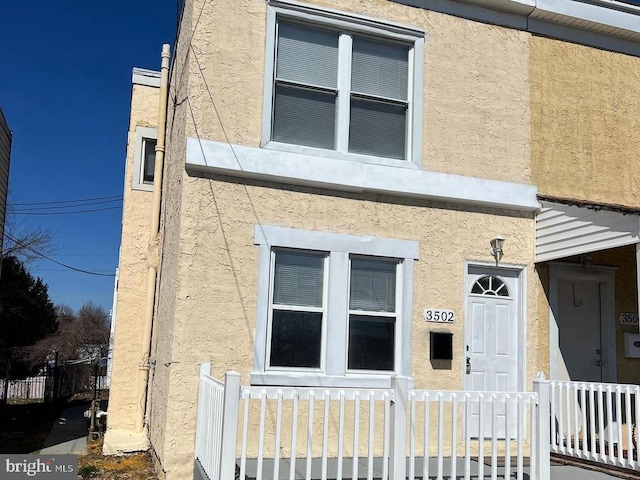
<point x="67" y="213"/>
<point x="66" y="201"/>
<point x="88" y="272"/>
<point x="58" y="207"/>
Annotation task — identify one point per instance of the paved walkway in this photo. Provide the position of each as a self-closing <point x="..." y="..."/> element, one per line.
<point x="69" y="433"/>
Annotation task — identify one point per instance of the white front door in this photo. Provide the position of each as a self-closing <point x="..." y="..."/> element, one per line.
<point x="492" y="326"/>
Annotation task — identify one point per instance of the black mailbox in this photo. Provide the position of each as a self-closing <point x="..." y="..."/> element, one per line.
<point x="441" y="345"/>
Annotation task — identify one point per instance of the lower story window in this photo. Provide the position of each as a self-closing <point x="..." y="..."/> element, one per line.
<point x="332" y="308"/>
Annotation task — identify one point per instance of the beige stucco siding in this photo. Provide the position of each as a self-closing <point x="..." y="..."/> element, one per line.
<point x="475" y="118"/>
<point x="170" y="224"/>
<point x="585" y="115"/>
<point x="476" y="92"/>
<point x="217" y="276"/>
<point x="132" y="283"/>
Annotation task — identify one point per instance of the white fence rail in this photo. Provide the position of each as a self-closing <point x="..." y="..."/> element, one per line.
<point x="321" y="433"/>
<point x="32" y="388"/>
<point x="596" y="422"/>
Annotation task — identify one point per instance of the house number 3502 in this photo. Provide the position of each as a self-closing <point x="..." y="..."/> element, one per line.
<point x="439" y="315"/>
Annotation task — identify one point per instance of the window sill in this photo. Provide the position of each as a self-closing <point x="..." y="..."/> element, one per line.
<point x="344" y="175"/>
<point x="304" y="379"/>
<point x="332" y="154"/>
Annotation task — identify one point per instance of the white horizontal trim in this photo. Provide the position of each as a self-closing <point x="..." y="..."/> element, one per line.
<point x="344" y="175"/>
<point x="596" y="15"/>
<point x="335" y="242"/>
<point x="566" y="230"/>
<point x="352" y="21"/>
<point x="326" y="381"/>
<point x="142" y="76"/>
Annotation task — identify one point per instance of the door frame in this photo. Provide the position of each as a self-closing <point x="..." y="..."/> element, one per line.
<point x="521" y="311"/>
<point x="605" y="276"/>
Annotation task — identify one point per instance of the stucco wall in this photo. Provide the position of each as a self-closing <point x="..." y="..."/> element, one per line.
<point x="170" y="222"/>
<point x="585" y="116"/>
<point x="132" y="282"/>
<point x="217" y="277"/>
<point x="476" y="91"/>
<point x="475" y="117"/>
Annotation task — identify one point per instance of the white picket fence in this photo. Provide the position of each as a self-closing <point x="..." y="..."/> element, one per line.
<point x="320" y="433"/>
<point x="32" y="388"/>
<point x="596" y="422"/>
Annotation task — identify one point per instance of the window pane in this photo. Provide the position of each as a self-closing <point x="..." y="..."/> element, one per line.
<point x="307" y="55"/>
<point x="298" y="279"/>
<point x="149" y="160"/>
<point x="371" y="342"/>
<point x="377" y="128"/>
<point x="296" y="339"/>
<point x="373" y="285"/>
<point x="380" y="69"/>
<point x="304" y="117"/>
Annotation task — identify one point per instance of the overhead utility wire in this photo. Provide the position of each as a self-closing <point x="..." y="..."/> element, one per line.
<point x="88" y="272"/>
<point x="66" y="201"/>
<point x="58" y="207"/>
<point x="67" y="213"/>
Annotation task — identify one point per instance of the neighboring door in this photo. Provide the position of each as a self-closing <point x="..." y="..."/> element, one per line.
<point x="493" y="329"/>
<point x="579" y="331"/>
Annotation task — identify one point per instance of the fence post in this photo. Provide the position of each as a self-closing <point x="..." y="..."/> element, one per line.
<point x="543" y="438"/>
<point x="398" y="457"/>
<point x="229" y="425"/>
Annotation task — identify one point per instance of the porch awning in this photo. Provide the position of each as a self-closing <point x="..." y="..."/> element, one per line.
<point x="574" y="228"/>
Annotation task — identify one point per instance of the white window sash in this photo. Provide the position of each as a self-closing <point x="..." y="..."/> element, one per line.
<point x="334" y="354"/>
<point x="353" y="24"/>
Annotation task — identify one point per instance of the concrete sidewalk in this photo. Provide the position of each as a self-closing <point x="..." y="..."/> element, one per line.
<point x="69" y="433"/>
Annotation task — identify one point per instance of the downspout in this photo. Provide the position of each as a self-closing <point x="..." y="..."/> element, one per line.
<point x="152" y="252"/>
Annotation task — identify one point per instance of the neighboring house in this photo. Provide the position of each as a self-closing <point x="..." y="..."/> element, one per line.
<point x="5" y="160"/>
<point x="334" y="173"/>
<point x="131" y="285"/>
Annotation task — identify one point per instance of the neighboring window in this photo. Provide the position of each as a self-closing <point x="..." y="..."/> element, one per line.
<point x="337" y="305"/>
<point x="352" y="90"/>
<point x="144" y="158"/>
<point x="149" y="160"/>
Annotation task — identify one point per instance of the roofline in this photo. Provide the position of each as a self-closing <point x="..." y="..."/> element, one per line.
<point x="142" y="76"/>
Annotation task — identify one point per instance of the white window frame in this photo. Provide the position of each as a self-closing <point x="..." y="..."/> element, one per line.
<point x="137" y="181"/>
<point x="356" y="24"/>
<point x="340" y="247"/>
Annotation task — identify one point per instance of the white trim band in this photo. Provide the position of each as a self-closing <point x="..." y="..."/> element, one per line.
<point x="344" y="175"/>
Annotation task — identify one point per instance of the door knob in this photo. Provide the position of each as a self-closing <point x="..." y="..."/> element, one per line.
<point x="468" y="365"/>
<point x="599" y="363"/>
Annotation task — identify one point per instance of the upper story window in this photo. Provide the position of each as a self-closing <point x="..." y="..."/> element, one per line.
<point x="145" y="158"/>
<point x="343" y="86"/>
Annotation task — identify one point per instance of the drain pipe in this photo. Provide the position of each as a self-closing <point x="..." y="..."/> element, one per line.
<point x="152" y="252"/>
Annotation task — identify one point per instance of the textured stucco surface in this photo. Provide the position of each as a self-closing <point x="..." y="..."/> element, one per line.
<point x="476" y="91"/>
<point x="160" y="382"/>
<point x="132" y="271"/>
<point x="585" y="116"/>
<point x="475" y="117"/>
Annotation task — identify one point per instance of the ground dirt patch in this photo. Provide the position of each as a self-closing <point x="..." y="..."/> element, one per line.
<point x="96" y="466"/>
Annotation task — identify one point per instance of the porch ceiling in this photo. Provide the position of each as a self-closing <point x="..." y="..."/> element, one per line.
<point x="563" y="230"/>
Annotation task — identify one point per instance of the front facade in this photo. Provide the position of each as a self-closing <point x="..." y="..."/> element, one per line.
<point x="334" y="173"/>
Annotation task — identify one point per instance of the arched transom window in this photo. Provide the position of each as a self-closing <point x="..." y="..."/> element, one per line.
<point x="490" y="285"/>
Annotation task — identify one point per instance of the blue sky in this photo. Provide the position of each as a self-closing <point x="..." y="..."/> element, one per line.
<point x="65" y="85"/>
